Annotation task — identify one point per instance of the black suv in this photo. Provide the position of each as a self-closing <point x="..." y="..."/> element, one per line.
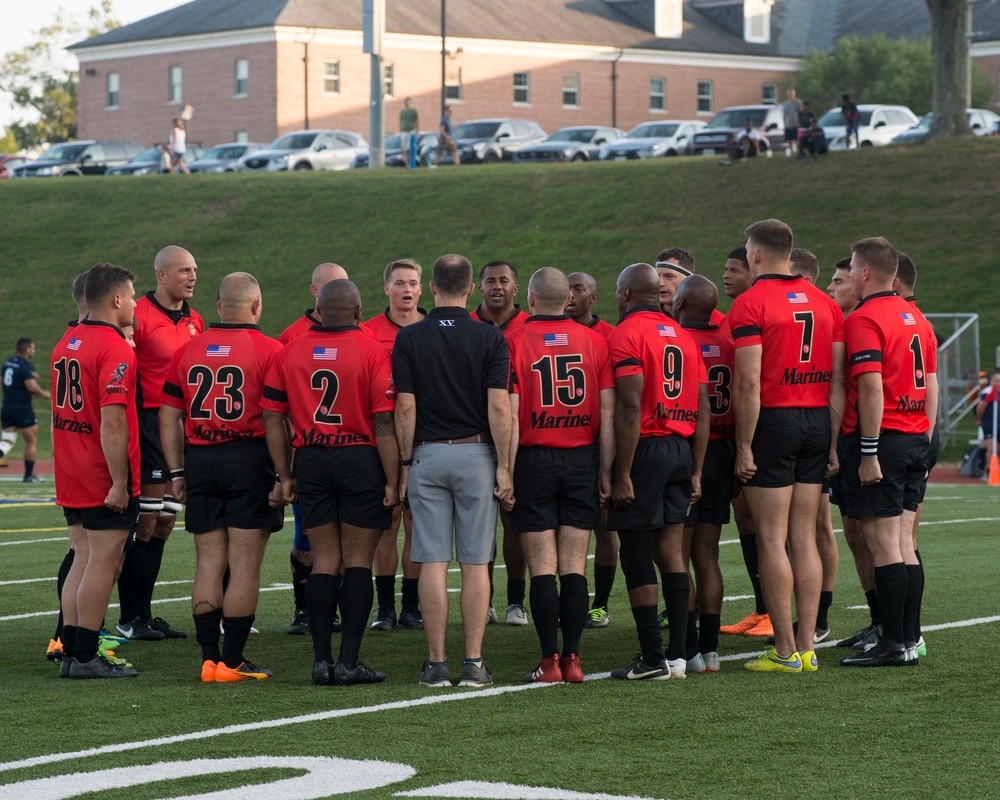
<point x="716" y="138"/>
<point x="79" y="158"/>
<point x="487" y="141"/>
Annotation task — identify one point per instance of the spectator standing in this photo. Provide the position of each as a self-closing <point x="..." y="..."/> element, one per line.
<point x="446" y="142"/>
<point x="851" y="119"/>
<point x="178" y="148"/>
<point x="791" y="108"/>
<point x="409" y="126"/>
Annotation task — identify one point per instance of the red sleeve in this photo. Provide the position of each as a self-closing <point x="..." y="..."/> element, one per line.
<point x="839" y="333"/>
<point x="173" y="391"/>
<point x="702" y="369"/>
<point x="744" y="322"/>
<point x="116" y="368"/>
<point x="626" y="351"/>
<point x="864" y="344"/>
<point x="605" y="372"/>
<point x="275" y="397"/>
<point x="382" y="393"/>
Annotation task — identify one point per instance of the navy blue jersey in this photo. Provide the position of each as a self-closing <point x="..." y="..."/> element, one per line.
<point x="16" y="371"/>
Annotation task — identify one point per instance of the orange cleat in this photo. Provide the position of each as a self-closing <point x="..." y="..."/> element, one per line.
<point x="749" y="621"/>
<point x="55" y="650"/>
<point x="762" y="628"/>
<point x="208" y="671"/>
<point x="244" y="672"/>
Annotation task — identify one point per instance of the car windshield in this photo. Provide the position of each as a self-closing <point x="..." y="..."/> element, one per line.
<point x="835" y="118"/>
<point x="223" y="153"/>
<point x="925" y="122"/>
<point x="153" y="154"/>
<point x="737" y="117"/>
<point x="294" y="141"/>
<point x="572" y="135"/>
<point x="657" y="131"/>
<point x="476" y="130"/>
<point x="394" y="142"/>
<point x="63" y="152"/>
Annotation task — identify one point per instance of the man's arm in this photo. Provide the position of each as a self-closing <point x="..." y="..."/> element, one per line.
<point x="498" y="401"/>
<point x="607" y="440"/>
<point x="277" y="445"/>
<point x="870" y="401"/>
<point x="388" y="453"/>
<point x="931" y="405"/>
<point x="837" y="398"/>
<point x="31" y="384"/>
<point x="515" y="429"/>
<point x="747" y="400"/>
<point x="114" y="443"/>
<point x="172" y="439"/>
<point x="405" y="423"/>
<point x="699" y="442"/>
<point x="627" y="417"/>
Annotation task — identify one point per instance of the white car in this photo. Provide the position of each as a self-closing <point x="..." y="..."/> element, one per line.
<point x="878" y="126"/>
<point x="319" y="149"/>
<point x="671" y="137"/>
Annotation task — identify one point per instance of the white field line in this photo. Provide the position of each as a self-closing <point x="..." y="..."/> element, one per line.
<point x="400" y="705"/>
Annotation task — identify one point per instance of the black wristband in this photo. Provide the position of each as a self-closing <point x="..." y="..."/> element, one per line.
<point x="176" y="473"/>
<point x="405" y="462"/>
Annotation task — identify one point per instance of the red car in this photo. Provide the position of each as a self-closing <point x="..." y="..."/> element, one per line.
<point x="7" y="164"/>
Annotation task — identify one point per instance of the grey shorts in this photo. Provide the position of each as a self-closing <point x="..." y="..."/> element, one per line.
<point x="451" y="496"/>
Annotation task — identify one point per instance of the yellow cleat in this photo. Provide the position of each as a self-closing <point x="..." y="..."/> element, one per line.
<point x="772" y="662"/>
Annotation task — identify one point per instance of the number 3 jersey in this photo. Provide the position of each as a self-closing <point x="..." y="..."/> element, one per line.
<point x="331" y="381"/>
<point x="217" y="379"/>
<point x="93" y="366"/>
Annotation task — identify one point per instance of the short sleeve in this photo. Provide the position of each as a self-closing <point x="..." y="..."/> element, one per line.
<point x="497" y="372"/>
<point x="864" y="344"/>
<point x="275" y="396"/>
<point x="402" y="363"/>
<point x="744" y="322"/>
<point x="116" y="371"/>
<point x="173" y="394"/>
<point x="626" y="352"/>
<point x="381" y="391"/>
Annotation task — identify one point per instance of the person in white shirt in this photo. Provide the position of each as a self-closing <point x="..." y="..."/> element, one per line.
<point x="749" y="141"/>
<point x="178" y="148"/>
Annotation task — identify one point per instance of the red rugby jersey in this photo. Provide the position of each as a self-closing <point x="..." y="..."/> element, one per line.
<point x="218" y="380"/>
<point x="719" y="354"/>
<point x="331" y="381"/>
<point x="717" y="317"/>
<point x="302" y="325"/>
<point x="514" y="323"/>
<point x="885" y="334"/>
<point x="158" y="333"/>
<point x="558" y="368"/>
<point x="796" y="325"/>
<point x="92" y="366"/>
<point x="598" y="325"/>
<point x="648" y="343"/>
<point x="384" y="328"/>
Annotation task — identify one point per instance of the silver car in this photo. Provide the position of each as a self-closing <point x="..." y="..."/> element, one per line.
<point x="579" y="143"/>
<point x="319" y="149"/>
<point x="671" y="137"/>
<point x="878" y="125"/>
<point x="223" y="157"/>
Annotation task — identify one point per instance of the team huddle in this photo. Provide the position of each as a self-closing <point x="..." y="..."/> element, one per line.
<point x="551" y="421"/>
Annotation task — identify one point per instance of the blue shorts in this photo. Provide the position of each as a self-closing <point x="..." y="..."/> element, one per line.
<point x="17" y="417"/>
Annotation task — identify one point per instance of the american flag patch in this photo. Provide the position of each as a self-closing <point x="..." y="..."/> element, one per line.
<point x="74" y="344"/>
<point x="795" y="298"/>
<point x="710" y="351"/>
<point x="324" y="354"/>
<point x="908" y="318"/>
<point x="667" y="330"/>
<point x="218" y="350"/>
<point x="555" y="339"/>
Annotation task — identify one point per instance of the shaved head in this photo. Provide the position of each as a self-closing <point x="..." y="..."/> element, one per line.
<point x="176" y="275"/>
<point x="583" y="278"/>
<point x="238" y="290"/>
<point x="325" y="273"/>
<point x="339" y="303"/>
<point x="171" y="257"/>
<point x="695" y="300"/>
<point x="638" y="285"/>
<point x="548" y="291"/>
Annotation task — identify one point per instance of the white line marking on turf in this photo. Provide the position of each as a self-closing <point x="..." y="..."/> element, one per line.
<point x="63" y="539"/>
<point x="508" y="791"/>
<point x="399" y="705"/>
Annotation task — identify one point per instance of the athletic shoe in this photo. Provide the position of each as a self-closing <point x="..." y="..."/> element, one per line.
<point x="745" y="624"/>
<point x="244" y="672"/>
<point x="678" y="669"/>
<point x="711" y="661"/>
<point x="696" y="663"/>
<point x="3" y="462"/>
<point x="208" y="671"/>
<point x="137" y="629"/>
<point x="597" y="618"/>
<point x="772" y="662"/>
<point x="921" y="647"/>
<point x="110" y="641"/>
<point x="161" y="625"/>
<point x="869" y="641"/>
<point x="111" y="658"/>
<point x="300" y="623"/>
<point x="336" y="626"/>
<point x="411" y="618"/>
<point x="475" y="675"/>
<point x="882" y="655"/>
<point x="863" y="635"/>
<point x="821" y="635"/>
<point x="359" y="673"/>
<point x="98" y="667"/>
<point x="323" y="673"/>
<point x="809" y="662"/>
<point x="572" y="672"/>
<point x="547" y="671"/>
<point x="912" y="659"/>
<point x="762" y="628"/>
<point x="516" y="615"/>
<point x="436" y="676"/>
<point x="639" y="670"/>
<point x="662" y="620"/>
<point x="64" y="666"/>
<point x="32" y="479"/>
<point x="491" y="615"/>
<point x="55" y="650"/>
<point x="385" y="619"/>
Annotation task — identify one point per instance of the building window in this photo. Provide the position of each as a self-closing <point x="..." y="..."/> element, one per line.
<point x="242" y="77"/>
<point x="704" y="97"/>
<point x="241" y="136"/>
<point x="112" y="90"/>
<point x="769" y="94"/>
<point x="657" y="94"/>
<point x="571" y="89"/>
<point x="174" y="85"/>
<point x="389" y="80"/>
<point x="522" y="88"/>
<point x="453" y="84"/>
<point x="331" y="77"/>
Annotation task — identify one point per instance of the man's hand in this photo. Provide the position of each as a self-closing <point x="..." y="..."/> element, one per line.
<point x="178" y="488"/>
<point x="504" y="490"/>
<point x="404" y="479"/>
<point x="391" y="498"/>
<point x="288" y="493"/>
<point x="832" y="464"/>
<point x="276" y="498"/>
<point x="622" y="493"/>
<point x="745" y="468"/>
<point x="604" y="488"/>
<point x="870" y="471"/>
<point x="117" y="498"/>
<point x="695" y="489"/>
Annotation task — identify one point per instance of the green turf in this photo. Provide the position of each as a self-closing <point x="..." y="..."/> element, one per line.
<point x="922" y="732"/>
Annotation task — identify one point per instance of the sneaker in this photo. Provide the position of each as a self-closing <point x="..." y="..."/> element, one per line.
<point x="98" y="667"/>
<point x="809" y="662"/>
<point x="109" y="641"/>
<point x="491" y="615"/>
<point x="762" y="628"/>
<point x="921" y="646"/>
<point x="516" y="615"/>
<point x="246" y="671"/>
<point x="745" y="624"/>
<point x="678" y="669"/>
<point x="662" y="620"/>
<point x="323" y="673"/>
<point x="912" y="659"/>
<point x="54" y="651"/>
<point x="111" y="658"/>
<point x="208" y="671"/>
<point x="385" y="619"/>
<point x="475" y="675"/>
<point x="137" y="629"/>
<point x="64" y="666"/>
<point x="597" y="618"/>
<point x="639" y="670"/>
<point x="770" y="661"/>
<point x="436" y="676"/>
<point x="359" y="673"/>
<point x="300" y="623"/>
<point x="547" y="671"/>
<point x="883" y="654"/>
<point x="862" y="635"/>
<point x="3" y="462"/>
<point x="572" y="672"/>
<point x="411" y="618"/>
<point x="697" y="663"/>
<point x="32" y="479"/>
<point x="161" y="625"/>
<point x="711" y="661"/>
<point x="869" y="641"/>
<point x="821" y="635"/>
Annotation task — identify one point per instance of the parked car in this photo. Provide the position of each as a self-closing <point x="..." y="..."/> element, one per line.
<point x="671" y="137"/>
<point x="879" y="125"/>
<point x="578" y="143"/>
<point x="149" y="162"/>
<point x="982" y="122"/>
<point x="716" y="138"/>
<point x="223" y="157"/>
<point x="8" y="163"/>
<point x="487" y="141"/>
<point x="79" y="158"/>
<point x="393" y="149"/>
<point x="319" y="149"/>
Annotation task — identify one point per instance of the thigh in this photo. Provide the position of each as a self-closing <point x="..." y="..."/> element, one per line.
<point x="30" y="434"/>
<point x="326" y="551"/>
<point x="650" y="468"/>
<point x="769" y="508"/>
<point x="476" y="508"/>
<point x="540" y="552"/>
<point x="432" y="504"/>
<point x="571" y="545"/>
<point x="537" y="483"/>
<point x="358" y="545"/>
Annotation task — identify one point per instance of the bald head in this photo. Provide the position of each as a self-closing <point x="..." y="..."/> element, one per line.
<point x="638" y="285"/>
<point x="170" y="257"/>
<point x="583" y="295"/>
<point x="548" y="292"/>
<point x="695" y="300"/>
<point x="339" y="303"/>
<point x="239" y="298"/>
<point x="327" y="272"/>
<point x="176" y="274"/>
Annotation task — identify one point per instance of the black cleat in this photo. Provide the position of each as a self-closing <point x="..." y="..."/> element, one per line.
<point x="99" y="667"/>
<point x="410" y="618"/>
<point x="137" y="629"/>
<point x="385" y="619"/>
<point x="865" y="634"/>
<point x="884" y="654"/>
<point x="359" y="673"/>
<point x="323" y="673"/>
<point x="161" y="625"/>
<point x="337" y="627"/>
<point x="300" y="623"/>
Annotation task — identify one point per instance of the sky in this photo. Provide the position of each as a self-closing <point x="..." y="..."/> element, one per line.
<point x="19" y="24"/>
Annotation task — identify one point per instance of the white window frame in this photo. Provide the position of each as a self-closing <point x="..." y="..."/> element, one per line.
<point x="334" y="78"/>
<point x="772" y="89"/>
<point x="241" y="75"/>
<point x="706" y="98"/>
<point x="112" y="96"/>
<point x="524" y="88"/>
<point x="571" y="86"/>
<point x="661" y="95"/>
<point x="241" y="136"/>
<point x="175" y="88"/>
<point x="388" y="80"/>
<point x="453" y="88"/>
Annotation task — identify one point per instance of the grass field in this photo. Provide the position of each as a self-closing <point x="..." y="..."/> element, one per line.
<point x="925" y="732"/>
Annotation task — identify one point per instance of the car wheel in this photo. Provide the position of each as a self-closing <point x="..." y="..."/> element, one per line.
<point x="866" y="144"/>
<point x="670" y="153"/>
<point x="303" y="165"/>
<point x="579" y="157"/>
<point x="491" y="158"/>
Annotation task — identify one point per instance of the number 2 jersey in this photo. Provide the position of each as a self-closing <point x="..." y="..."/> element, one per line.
<point x="217" y="379"/>
<point x="93" y="366"/>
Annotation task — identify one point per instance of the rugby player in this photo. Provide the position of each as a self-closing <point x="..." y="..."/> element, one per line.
<point x="562" y="400"/>
<point x="20" y="384"/>
<point x="673" y="265"/>
<point x="335" y="383"/>
<point x="212" y="432"/>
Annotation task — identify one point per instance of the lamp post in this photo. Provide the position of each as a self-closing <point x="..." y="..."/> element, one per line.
<point x="444" y="52"/>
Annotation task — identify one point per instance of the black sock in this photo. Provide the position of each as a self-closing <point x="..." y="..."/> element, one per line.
<point x="545" y="613"/>
<point x="891" y="583"/>
<point x="691" y="638"/>
<point x="873" y="607"/>
<point x="321" y="603"/>
<point x="411" y="594"/>
<point x="356" y="596"/>
<point x="64" y="569"/>
<point x="128" y="581"/>
<point x="573" y="602"/>
<point x="748" y="544"/>
<point x="676" y="592"/>
<point x="237" y="633"/>
<point x="823" y="616"/>
<point x="147" y="577"/>
<point x="300" y="574"/>
<point x="604" y="581"/>
<point x="29" y="468"/>
<point x="648" y="629"/>
<point x="911" y="609"/>
<point x="206" y="633"/>
<point x="69" y="641"/>
<point x="708" y="633"/>
<point x="921" y="562"/>
<point x="86" y="644"/>
<point x="385" y="586"/>
<point x="515" y="592"/>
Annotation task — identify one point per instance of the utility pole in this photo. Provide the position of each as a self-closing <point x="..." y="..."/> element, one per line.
<point x="444" y="53"/>
<point x="373" y="24"/>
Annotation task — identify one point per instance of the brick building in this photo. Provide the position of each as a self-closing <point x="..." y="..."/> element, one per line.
<point x="253" y="69"/>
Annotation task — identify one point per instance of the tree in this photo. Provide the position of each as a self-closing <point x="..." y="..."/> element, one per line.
<point x="951" y="58"/>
